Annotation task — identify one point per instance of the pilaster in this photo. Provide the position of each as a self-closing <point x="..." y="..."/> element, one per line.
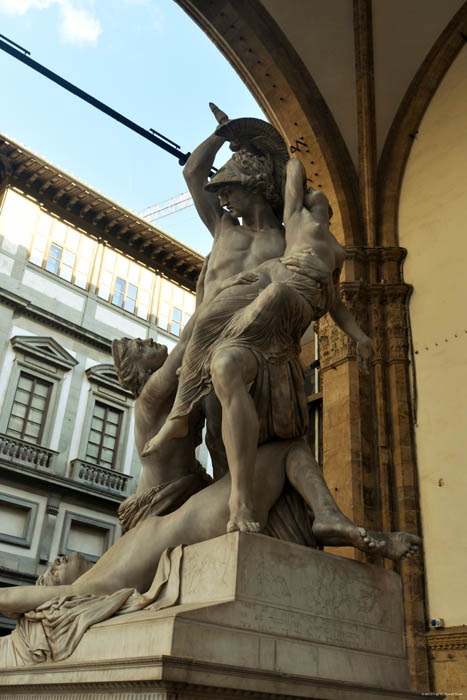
<point x="369" y="450"/>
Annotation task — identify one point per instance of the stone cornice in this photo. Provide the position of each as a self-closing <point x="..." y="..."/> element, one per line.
<point x="448" y="638"/>
<point x="75" y="202"/>
<point x="60" y="484"/>
<point x="380" y="310"/>
<point x="26" y="308"/>
<point x="390" y="253"/>
<point x="44" y="348"/>
<point x="105" y="375"/>
<point x="15" y="577"/>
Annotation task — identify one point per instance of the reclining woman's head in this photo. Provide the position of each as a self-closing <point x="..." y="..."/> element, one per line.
<point x="64" y="570"/>
<point x="135" y="360"/>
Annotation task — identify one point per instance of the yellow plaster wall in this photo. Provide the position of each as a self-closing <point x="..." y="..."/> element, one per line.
<point x="433" y="228"/>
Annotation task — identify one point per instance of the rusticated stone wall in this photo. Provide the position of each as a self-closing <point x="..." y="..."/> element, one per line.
<point x="448" y="651"/>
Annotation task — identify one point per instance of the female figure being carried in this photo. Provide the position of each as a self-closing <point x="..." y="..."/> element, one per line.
<point x="246" y="342"/>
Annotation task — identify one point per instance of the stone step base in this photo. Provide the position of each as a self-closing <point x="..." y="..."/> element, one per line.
<point x="171" y="678"/>
<point x="255" y="617"/>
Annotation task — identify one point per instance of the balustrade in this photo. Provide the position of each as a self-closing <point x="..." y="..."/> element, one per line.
<point x="94" y="475"/>
<point x="25" y="453"/>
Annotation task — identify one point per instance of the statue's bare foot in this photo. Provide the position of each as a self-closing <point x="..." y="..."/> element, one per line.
<point x="336" y="530"/>
<point x="396" y="545"/>
<point x="172" y="428"/>
<point x="242" y="518"/>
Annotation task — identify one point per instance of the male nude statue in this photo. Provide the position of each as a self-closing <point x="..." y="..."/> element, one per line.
<point x="258" y="318"/>
<point x="237" y="248"/>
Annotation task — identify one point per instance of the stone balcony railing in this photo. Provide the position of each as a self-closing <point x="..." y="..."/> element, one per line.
<point x="102" y="478"/>
<point x="25" y="453"/>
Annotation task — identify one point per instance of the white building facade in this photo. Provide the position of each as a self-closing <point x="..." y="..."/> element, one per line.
<point x="67" y="453"/>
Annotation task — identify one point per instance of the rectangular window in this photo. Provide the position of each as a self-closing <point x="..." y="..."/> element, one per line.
<point x="126" y="284"/>
<point x="119" y="291"/>
<point x="175" y="308"/>
<point x="62" y="250"/>
<point x="53" y="259"/>
<point x="130" y="298"/>
<point x="104" y="436"/>
<point x="29" y="410"/>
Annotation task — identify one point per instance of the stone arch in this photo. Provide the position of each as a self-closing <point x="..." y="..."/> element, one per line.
<point x="407" y="120"/>
<point x="255" y="46"/>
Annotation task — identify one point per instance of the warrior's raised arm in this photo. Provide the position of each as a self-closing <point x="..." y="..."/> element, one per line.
<point x="196" y="172"/>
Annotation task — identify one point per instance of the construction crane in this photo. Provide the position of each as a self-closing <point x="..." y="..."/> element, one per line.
<point x="171" y="206"/>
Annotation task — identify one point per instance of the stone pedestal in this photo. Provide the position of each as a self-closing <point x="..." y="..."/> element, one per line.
<point x="257" y="618"/>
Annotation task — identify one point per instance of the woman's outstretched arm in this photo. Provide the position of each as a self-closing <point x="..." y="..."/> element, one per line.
<point x="196" y="173"/>
<point x="16" y="600"/>
<point x="346" y="322"/>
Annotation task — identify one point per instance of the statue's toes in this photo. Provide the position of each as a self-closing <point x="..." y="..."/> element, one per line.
<point x="368" y="540"/>
<point x="248" y="526"/>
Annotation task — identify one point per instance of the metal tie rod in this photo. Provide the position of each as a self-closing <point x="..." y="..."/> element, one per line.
<point x="8" y="46"/>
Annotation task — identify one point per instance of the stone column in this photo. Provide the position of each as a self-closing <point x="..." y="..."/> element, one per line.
<point x="404" y="479"/>
<point x="346" y="393"/>
<point x="369" y="450"/>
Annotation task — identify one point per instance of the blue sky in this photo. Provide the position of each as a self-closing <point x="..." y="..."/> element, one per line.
<point x="146" y="59"/>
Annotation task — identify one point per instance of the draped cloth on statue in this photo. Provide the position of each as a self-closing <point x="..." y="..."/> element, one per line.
<point x="53" y="630"/>
<point x="290" y="519"/>
<point x="270" y="325"/>
<point x="161" y="499"/>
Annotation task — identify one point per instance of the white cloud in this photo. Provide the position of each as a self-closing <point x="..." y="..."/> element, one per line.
<point x="20" y="7"/>
<point x="78" y="25"/>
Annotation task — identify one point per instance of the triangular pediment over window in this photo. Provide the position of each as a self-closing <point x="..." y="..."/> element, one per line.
<point x="106" y="375"/>
<point x="45" y="349"/>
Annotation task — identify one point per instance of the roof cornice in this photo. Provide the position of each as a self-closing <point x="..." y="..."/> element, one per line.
<point x="99" y="216"/>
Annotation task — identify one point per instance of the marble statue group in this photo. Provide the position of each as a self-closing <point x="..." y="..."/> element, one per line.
<point x="273" y="270"/>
